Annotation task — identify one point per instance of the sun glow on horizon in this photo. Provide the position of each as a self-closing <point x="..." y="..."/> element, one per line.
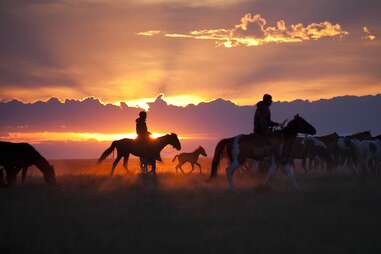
<point x="179" y="100"/>
<point x="46" y="136"/>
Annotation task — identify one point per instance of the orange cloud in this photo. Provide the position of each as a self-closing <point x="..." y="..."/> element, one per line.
<point x="149" y="33"/>
<point x="368" y="34"/>
<point x="254" y="31"/>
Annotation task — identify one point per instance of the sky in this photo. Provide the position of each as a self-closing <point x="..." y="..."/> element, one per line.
<point x="191" y="51"/>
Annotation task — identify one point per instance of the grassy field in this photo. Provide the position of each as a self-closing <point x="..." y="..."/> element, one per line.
<point x="90" y="212"/>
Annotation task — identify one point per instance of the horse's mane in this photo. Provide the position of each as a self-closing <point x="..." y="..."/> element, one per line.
<point x="290" y="124"/>
<point x="167" y="135"/>
<point x="199" y="148"/>
<point x="330" y="135"/>
<point x="363" y="133"/>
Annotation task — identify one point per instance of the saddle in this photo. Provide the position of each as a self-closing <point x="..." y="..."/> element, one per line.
<point x="273" y="141"/>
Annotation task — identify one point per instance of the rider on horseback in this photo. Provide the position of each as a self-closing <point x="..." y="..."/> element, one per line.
<point x="141" y="127"/>
<point x="262" y="118"/>
<point x="143" y="134"/>
<point x="263" y="126"/>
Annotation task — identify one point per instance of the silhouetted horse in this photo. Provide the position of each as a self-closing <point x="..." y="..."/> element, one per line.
<point x="367" y="155"/>
<point x="318" y="154"/>
<point x="277" y="147"/>
<point x="192" y="158"/>
<point x="365" y="135"/>
<point x="19" y="156"/>
<point x="148" y="151"/>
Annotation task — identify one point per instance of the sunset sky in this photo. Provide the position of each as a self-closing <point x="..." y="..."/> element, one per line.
<point x="191" y="51"/>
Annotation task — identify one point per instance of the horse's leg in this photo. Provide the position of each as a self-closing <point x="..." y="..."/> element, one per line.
<point x="198" y="165"/>
<point x="11" y="176"/>
<point x="230" y="172"/>
<point x="181" y="168"/>
<point x="2" y="181"/>
<point x="192" y="168"/>
<point x="23" y="174"/>
<point x="153" y="165"/>
<point x="125" y="162"/>
<point x="252" y="165"/>
<point x="290" y="173"/>
<point x="143" y="168"/>
<point x="115" y="163"/>
<point x="178" y="166"/>
<point x="271" y="171"/>
<point x="304" y="165"/>
<point x="146" y="163"/>
<point x="310" y="163"/>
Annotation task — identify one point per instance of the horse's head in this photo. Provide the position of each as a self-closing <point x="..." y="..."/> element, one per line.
<point x="202" y="151"/>
<point x="44" y="166"/>
<point x="49" y="174"/>
<point x="174" y="141"/>
<point x="300" y="125"/>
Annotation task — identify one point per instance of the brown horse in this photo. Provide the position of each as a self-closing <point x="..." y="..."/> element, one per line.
<point x="149" y="152"/>
<point x="276" y="147"/>
<point x="192" y="158"/>
<point x="19" y="156"/>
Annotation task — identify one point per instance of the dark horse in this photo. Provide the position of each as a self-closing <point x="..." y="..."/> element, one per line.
<point x="148" y="152"/>
<point x="19" y="156"/>
<point x="277" y="147"/>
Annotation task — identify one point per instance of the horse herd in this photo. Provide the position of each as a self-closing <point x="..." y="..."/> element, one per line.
<point x="360" y="153"/>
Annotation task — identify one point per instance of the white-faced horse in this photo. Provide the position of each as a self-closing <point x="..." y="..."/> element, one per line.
<point x="277" y="147"/>
<point x="367" y="155"/>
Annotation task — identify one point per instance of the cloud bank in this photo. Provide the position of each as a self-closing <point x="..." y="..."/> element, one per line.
<point x="85" y="128"/>
<point x="253" y="30"/>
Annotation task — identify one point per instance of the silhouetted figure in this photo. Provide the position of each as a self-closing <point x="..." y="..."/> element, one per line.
<point x="141" y="126"/>
<point x="143" y="134"/>
<point x="242" y="147"/>
<point x="192" y="158"/>
<point x="19" y="156"/>
<point x="148" y="153"/>
<point x="262" y="117"/>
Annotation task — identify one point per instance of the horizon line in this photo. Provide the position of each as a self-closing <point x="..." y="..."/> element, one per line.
<point x="161" y="96"/>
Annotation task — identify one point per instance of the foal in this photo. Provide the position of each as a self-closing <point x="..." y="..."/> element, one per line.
<point x="192" y="158"/>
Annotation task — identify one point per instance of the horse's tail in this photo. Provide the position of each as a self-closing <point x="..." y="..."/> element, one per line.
<point x="174" y="158"/>
<point x="107" y="152"/>
<point x="217" y="156"/>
